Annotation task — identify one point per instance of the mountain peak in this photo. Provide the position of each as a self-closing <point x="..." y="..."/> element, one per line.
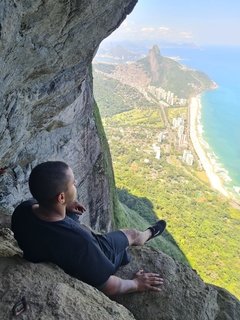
<point x="154" y="57"/>
<point x="155" y="51"/>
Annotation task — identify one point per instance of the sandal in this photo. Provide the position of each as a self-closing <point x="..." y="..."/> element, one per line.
<point x="157" y="228"/>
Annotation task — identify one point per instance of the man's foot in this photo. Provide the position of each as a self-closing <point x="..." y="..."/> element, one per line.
<point x="157" y="229"/>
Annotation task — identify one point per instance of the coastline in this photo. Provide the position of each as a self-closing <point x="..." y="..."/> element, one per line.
<point x="198" y="143"/>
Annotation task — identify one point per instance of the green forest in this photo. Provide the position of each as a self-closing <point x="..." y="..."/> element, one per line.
<point x="203" y="229"/>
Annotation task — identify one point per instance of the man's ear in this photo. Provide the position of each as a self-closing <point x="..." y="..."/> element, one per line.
<point x="61" y="198"/>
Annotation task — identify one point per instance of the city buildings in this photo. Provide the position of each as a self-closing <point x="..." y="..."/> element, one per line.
<point x="167" y="96"/>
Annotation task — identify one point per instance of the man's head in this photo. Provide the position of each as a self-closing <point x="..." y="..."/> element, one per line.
<point x="52" y="182"/>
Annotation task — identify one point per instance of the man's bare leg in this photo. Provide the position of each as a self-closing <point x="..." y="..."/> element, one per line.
<point x="138" y="238"/>
<point x="135" y="237"/>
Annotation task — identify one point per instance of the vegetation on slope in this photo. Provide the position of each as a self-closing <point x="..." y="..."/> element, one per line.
<point x="114" y="97"/>
<point x="200" y="221"/>
<point x="202" y="228"/>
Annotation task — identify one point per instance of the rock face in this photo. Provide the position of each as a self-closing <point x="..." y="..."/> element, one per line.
<point x="49" y="292"/>
<point x="184" y="295"/>
<point x="155" y="58"/>
<point x="52" y="294"/>
<point x="46" y="101"/>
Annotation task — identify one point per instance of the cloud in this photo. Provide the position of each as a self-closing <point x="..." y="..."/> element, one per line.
<point x="164" y="29"/>
<point x="130" y="30"/>
<point x="157" y="32"/>
<point x="148" y="29"/>
<point x="186" y="35"/>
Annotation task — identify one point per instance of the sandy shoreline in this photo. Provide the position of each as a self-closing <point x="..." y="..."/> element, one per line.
<point x="214" y="179"/>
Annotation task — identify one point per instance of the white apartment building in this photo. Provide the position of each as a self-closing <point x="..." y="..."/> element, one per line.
<point x="188" y="157"/>
<point x="157" y="150"/>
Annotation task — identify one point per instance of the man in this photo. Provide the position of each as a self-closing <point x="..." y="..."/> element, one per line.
<point x="48" y="230"/>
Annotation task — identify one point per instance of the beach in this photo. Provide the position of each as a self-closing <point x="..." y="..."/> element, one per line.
<point x="208" y="164"/>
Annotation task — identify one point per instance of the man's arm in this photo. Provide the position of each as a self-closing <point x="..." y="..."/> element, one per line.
<point x="142" y="281"/>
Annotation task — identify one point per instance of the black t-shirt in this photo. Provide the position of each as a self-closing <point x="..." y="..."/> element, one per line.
<point x="64" y="243"/>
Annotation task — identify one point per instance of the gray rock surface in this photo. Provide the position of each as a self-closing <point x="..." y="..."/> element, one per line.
<point x="184" y="295"/>
<point x="52" y="294"/>
<point x="46" y="101"/>
<point x="49" y="292"/>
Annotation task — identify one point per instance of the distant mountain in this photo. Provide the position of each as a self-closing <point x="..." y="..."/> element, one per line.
<point x="116" y="54"/>
<point x="173" y="76"/>
<point x="160" y="72"/>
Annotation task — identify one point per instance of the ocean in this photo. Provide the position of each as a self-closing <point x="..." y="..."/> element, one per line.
<point x="220" y="115"/>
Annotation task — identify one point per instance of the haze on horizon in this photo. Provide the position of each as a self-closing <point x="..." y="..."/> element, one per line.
<point x="209" y="22"/>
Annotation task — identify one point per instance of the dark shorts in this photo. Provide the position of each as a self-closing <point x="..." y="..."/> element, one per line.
<point x="114" y="245"/>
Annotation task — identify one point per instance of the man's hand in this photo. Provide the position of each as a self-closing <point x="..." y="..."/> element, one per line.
<point x="142" y="281"/>
<point x="147" y="281"/>
<point x="76" y="207"/>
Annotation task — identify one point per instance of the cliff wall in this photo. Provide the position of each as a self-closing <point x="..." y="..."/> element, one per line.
<point x="47" y="106"/>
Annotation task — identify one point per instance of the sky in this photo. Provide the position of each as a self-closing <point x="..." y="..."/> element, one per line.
<point x="205" y="22"/>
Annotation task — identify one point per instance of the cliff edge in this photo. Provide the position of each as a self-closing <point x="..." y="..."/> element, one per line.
<point x="49" y="293"/>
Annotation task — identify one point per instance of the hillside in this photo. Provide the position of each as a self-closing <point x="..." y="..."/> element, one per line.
<point x="203" y="229"/>
<point x="173" y="76"/>
<point x="115" y="97"/>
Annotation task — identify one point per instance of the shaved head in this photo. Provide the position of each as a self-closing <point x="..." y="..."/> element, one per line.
<point x="47" y="180"/>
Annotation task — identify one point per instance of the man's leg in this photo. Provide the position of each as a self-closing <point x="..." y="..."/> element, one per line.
<point x="114" y="244"/>
<point x="138" y="238"/>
